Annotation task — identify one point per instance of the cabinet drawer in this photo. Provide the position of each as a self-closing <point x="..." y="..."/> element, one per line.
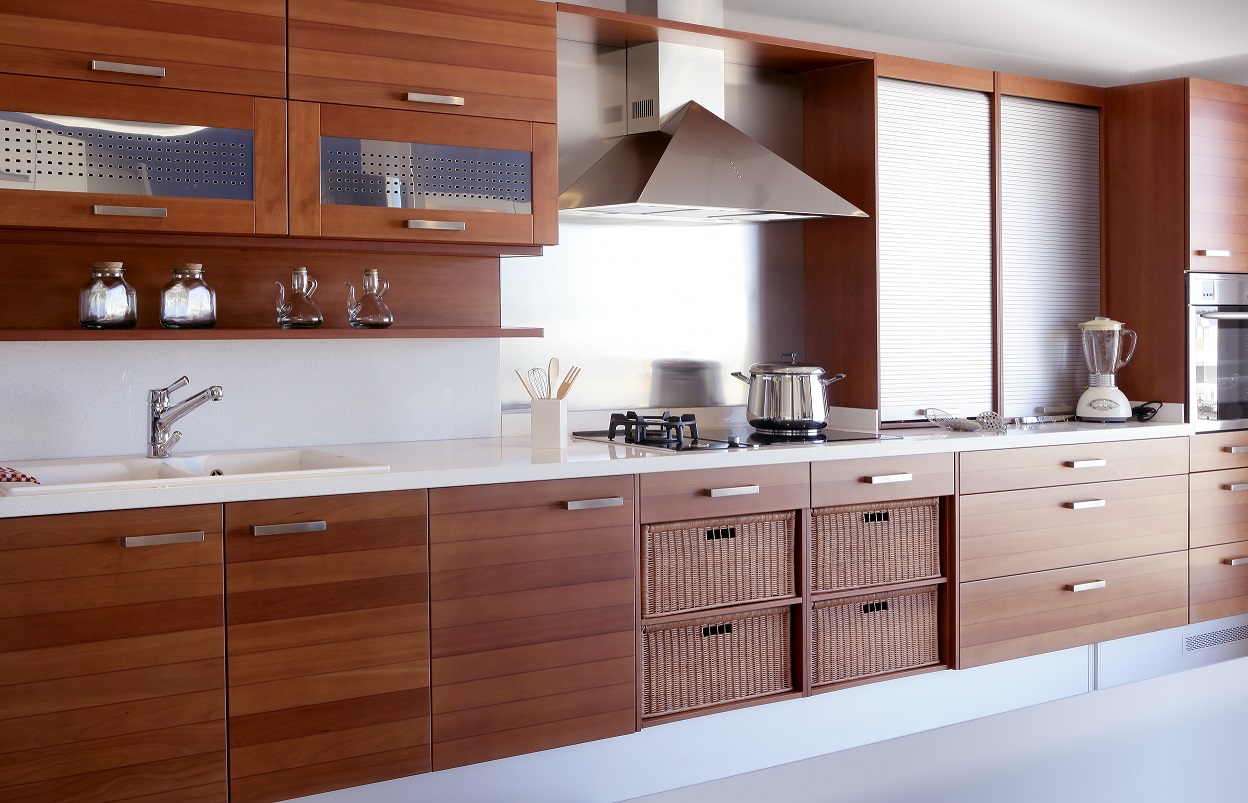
<point x="1043" y="466"/>
<point x="1217" y="450"/>
<point x="678" y="495"/>
<point x="171" y="44"/>
<point x="1029" y="614"/>
<point x="1218" y="587"/>
<point x="1012" y="532"/>
<point x="1219" y="507"/>
<point x="880" y="479"/>
<point x="493" y="59"/>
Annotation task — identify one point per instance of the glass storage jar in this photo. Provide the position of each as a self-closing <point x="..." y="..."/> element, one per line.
<point x="107" y="301"/>
<point x="187" y="302"/>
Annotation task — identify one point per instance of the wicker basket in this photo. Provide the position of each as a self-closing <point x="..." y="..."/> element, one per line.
<point x="871" y="634"/>
<point x="865" y="545"/>
<point x="695" y="565"/>
<point x="701" y="662"/>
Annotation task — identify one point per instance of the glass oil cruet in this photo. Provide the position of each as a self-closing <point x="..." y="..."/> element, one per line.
<point x="370" y="312"/>
<point x="298" y="310"/>
<point x="107" y="300"/>
<point x="187" y="302"/>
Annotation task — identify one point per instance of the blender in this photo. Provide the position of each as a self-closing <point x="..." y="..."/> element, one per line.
<point x="1103" y="341"/>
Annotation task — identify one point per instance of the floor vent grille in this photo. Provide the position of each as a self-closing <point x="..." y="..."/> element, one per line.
<point x="1214" y="638"/>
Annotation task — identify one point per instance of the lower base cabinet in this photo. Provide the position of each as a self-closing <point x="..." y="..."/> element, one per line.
<point x="532" y="617"/>
<point x="112" y="657"/>
<point x="327" y="619"/>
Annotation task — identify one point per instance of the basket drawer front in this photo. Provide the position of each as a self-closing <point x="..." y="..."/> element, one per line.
<point x="863" y="545"/>
<point x="693" y="565"/>
<point x="709" y="493"/>
<point x="1043" y="466"/>
<point x="1219" y="581"/>
<point x="880" y="479"/>
<point x="1010" y="617"/>
<point x="1219" y="507"/>
<point x="1013" y="532"/>
<point x="1216" y="450"/>
<point x="873" y="634"/>
<point x="721" y="659"/>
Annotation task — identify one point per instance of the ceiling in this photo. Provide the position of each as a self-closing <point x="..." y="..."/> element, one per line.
<point x="1100" y="42"/>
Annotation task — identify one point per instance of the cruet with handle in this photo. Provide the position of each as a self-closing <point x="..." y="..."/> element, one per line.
<point x="370" y="312"/>
<point x="298" y="310"/>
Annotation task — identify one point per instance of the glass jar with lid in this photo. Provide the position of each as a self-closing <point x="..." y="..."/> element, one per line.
<point x="107" y="300"/>
<point x="187" y="302"/>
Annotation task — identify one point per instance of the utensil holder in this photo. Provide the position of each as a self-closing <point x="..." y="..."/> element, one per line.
<point x="549" y="424"/>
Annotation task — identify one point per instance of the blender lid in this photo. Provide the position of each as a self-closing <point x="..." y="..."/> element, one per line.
<point x="1101" y="324"/>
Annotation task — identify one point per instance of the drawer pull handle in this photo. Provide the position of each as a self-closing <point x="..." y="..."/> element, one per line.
<point x="1212" y="252"/>
<point x="129" y="69"/>
<point x="287" y="529"/>
<point x="590" y="504"/>
<point x="740" y="490"/>
<point x="880" y="479"/>
<point x="1235" y="449"/>
<point x="424" y="97"/>
<point x="440" y="225"/>
<point x="130" y="211"/>
<point x="1235" y="561"/>
<point x="164" y="538"/>
<point x="1092" y="586"/>
<point x="1085" y="504"/>
<point x="1095" y="463"/>
<point x="1236" y="486"/>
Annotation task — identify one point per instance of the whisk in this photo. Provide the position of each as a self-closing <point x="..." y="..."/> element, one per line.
<point x="539" y="380"/>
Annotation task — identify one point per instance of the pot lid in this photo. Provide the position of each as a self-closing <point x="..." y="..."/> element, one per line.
<point x="788" y="365"/>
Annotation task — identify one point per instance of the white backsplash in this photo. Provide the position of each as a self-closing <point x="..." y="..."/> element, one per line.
<point x="82" y="399"/>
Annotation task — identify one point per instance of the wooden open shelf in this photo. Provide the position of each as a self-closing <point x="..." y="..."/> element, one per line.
<point x="320" y="333"/>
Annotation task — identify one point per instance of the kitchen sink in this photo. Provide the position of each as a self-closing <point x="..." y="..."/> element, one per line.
<point x="131" y="473"/>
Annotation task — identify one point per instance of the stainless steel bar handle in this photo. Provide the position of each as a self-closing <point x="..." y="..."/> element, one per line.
<point x="1235" y="561"/>
<point x="441" y="225"/>
<point x="879" y="479"/>
<point x="164" y="538"/>
<point x="1225" y="316"/>
<point x="590" y="504"/>
<point x="130" y="211"/>
<point x="1235" y="449"/>
<point x="1236" y="486"/>
<point x="424" y="97"/>
<point x="287" y="529"/>
<point x="1085" y="504"/>
<point x="1092" y="586"/>
<point x="1212" y="252"/>
<point x="129" y="69"/>
<point x="1094" y="463"/>
<point x="740" y="490"/>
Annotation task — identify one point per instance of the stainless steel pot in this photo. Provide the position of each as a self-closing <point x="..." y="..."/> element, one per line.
<point x="787" y="397"/>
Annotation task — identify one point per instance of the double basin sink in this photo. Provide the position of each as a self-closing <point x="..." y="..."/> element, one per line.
<point x="132" y="473"/>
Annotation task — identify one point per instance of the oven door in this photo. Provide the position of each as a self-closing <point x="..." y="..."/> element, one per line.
<point x="1218" y="366"/>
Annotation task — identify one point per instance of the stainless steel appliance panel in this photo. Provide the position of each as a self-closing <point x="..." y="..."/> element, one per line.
<point x="1217" y="350"/>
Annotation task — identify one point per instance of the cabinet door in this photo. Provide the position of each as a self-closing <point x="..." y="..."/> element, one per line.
<point x="1218" y="159"/>
<point x="391" y="175"/>
<point x="327" y="616"/>
<point x="488" y="59"/>
<point x="236" y="47"/>
<point x="112" y="657"/>
<point x="533" y="617"/>
<point x="81" y="155"/>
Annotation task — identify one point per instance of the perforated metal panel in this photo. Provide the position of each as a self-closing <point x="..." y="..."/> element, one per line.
<point x="422" y="176"/>
<point x="71" y="154"/>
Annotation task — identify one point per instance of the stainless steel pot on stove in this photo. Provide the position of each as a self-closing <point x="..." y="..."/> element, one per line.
<point x="787" y="397"/>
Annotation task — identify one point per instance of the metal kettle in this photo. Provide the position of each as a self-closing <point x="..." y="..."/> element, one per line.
<point x="787" y="397"/>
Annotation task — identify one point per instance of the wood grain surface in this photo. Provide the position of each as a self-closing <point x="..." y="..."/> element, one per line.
<point x="680" y="495"/>
<point x="1218" y="589"/>
<point x="532" y="617"/>
<point x="1218" y="507"/>
<point x="846" y="482"/>
<point x="328" y="644"/>
<point x="1218" y="164"/>
<point x="112" y="658"/>
<point x="1041" y="466"/>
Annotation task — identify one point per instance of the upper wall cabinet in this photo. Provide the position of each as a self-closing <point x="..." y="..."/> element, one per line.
<point x="236" y="46"/>
<point x="108" y="157"/>
<point x="487" y="58"/>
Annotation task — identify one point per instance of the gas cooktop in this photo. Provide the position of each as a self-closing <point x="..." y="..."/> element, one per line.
<point x="680" y="433"/>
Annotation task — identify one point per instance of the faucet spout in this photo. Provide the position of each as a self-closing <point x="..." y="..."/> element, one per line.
<point x="163" y="415"/>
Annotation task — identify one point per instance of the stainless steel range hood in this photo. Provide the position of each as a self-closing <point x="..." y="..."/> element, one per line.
<point x="682" y="161"/>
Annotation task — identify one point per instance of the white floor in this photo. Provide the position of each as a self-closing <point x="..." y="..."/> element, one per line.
<point x="1180" y="738"/>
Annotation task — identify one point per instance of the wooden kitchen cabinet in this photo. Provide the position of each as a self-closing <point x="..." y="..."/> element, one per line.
<point x="235" y="47"/>
<point x="677" y="495"/>
<point x="533" y="610"/>
<point x="112" y="657"/>
<point x="327" y="623"/>
<point x="880" y="479"/>
<point x="484" y="58"/>
<point x="1044" y="466"/>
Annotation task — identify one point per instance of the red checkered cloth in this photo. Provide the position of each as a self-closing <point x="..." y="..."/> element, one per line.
<point x="13" y="475"/>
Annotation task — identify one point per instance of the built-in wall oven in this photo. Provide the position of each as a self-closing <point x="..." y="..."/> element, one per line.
<point x="1217" y="350"/>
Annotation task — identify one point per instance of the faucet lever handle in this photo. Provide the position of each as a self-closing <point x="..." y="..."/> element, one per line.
<point x="178" y="384"/>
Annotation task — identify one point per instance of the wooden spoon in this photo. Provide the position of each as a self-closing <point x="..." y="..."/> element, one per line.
<point x="552" y="377"/>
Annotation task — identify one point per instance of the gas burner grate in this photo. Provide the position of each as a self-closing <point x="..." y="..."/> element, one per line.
<point x="676" y="432"/>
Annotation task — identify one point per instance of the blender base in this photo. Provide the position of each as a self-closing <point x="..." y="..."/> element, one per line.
<point x="1106" y="405"/>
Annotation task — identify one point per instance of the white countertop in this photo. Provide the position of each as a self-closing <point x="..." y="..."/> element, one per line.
<point x="433" y="464"/>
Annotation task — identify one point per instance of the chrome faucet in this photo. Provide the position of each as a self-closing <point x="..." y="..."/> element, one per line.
<point x="160" y="440"/>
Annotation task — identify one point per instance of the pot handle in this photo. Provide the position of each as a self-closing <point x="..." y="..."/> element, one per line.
<point x="741" y="376"/>
<point x="832" y="379"/>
